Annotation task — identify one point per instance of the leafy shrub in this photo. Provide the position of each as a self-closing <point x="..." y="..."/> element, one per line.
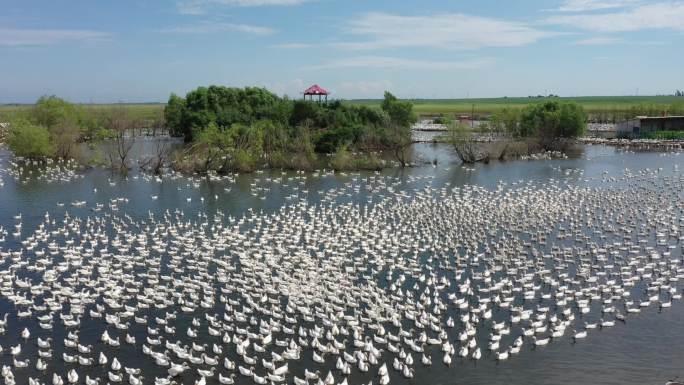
<point x="400" y="113"/>
<point x="51" y="111"/>
<point x="507" y="120"/>
<point x="330" y="140"/>
<point x="370" y="161"/>
<point x="292" y="161"/>
<point x="344" y="160"/>
<point x="29" y="140"/>
<point x="223" y="106"/>
<point x="551" y="120"/>
<point x="243" y="161"/>
<point x="174" y="115"/>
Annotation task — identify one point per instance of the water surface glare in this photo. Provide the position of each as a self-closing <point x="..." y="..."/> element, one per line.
<point x="338" y="274"/>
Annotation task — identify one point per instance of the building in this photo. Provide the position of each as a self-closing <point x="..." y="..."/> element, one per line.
<point x="645" y="124"/>
<point x="316" y="90"/>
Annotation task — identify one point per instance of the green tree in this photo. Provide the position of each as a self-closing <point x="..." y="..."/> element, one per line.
<point x="572" y="121"/>
<point x="120" y="126"/>
<point x="388" y="100"/>
<point x="305" y="111"/>
<point x="551" y="120"/>
<point x="247" y="137"/>
<point x="92" y="125"/>
<point x="275" y="136"/>
<point x="214" y="145"/>
<point x="467" y="149"/>
<point x="29" y="140"/>
<point x="174" y="114"/>
<point x="397" y="139"/>
<point x="50" y="111"/>
<point x="397" y="135"/>
<point x="507" y="120"/>
<point x="262" y="127"/>
<point x="400" y="113"/>
<point x="330" y="140"/>
<point x="301" y="141"/>
<point x="225" y="106"/>
<point x="64" y="137"/>
<point x="65" y="121"/>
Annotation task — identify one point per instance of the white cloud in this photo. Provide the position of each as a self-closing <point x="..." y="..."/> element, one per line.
<point x="293" y="88"/>
<point x="593" y="5"/>
<point x="198" y="7"/>
<point x="365" y="88"/>
<point x="213" y="28"/>
<point x="651" y="16"/>
<point x="21" y="37"/>
<point x="292" y="46"/>
<point x="443" y="31"/>
<point x="599" y="40"/>
<point x="401" y="64"/>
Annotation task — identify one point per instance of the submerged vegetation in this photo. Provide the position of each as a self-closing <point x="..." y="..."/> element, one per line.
<point x="56" y="128"/>
<point x="242" y="129"/>
<point x="467" y="149"/>
<point x="551" y="125"/>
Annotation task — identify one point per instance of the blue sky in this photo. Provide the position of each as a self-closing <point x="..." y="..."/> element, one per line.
<point x="136" y="51"/>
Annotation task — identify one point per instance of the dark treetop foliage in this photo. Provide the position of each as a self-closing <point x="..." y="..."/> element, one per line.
<point x="400" y="113"/>
<point x="224" y="107"/>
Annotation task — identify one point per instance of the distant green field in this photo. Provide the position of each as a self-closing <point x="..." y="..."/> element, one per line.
<point x="604" y="108"/>
<point x="607" y="105"/>
<point x="136" y="111"/>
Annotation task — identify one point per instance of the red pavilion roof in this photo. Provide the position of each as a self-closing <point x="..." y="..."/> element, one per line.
<point x="316" y="90"/>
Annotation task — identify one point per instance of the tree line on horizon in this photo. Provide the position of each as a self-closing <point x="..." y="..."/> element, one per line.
<point x="227" y="129"/>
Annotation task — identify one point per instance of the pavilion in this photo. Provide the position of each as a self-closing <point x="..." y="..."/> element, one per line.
<point x="316" y="90"/>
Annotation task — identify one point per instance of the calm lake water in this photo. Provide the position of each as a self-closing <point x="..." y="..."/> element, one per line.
<point x="647" y="349"/>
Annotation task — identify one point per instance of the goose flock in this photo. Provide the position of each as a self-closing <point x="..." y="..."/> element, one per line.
<point x="335" y="292"/>
<point x="49" y="171"/>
